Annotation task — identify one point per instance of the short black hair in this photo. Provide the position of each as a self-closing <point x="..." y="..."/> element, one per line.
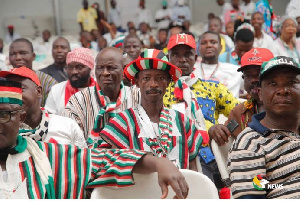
<point x="131" y="36"/>
<point x="211" y="32"/>
<point x="25" y="41"/>
<point x="244" y="35"/>
<point x="163" y="30"/>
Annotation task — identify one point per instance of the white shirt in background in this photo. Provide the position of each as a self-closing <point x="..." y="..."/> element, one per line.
<point x="226" y="74"/>
<point x="293" y="9"/>
<point x="164" y="24"/>
<point x="248" y="9"/>
<point x="264" y="42"/>
<point x="114" y="16"/>
<point x="181" y="11"/>
<point x="279" y="47"/>
<point x="55" y="102"/>
<point x="144" y="15"/>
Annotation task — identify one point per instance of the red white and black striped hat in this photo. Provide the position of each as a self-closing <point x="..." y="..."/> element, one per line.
<point x="151" y="59"/>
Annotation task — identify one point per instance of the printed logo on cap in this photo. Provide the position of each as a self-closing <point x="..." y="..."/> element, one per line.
<point x="280" y="61"/>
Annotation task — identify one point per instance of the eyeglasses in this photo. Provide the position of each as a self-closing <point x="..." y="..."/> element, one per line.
<point x="5" y="116"/>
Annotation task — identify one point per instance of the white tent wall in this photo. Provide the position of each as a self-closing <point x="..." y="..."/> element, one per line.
<point x="30" y="17"/>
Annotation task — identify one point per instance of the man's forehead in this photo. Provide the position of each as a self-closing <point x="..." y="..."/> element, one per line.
<point x="7" y="107"/>
<point x="19" y="45"/>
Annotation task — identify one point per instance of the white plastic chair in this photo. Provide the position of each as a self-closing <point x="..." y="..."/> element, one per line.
<point x="221" y="156"/>
<point x="146" y="187"/>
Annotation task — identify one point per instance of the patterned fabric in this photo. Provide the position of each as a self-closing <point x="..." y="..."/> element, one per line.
<point x="178" y="138"/>
<point x="151" y="59"/>
<point x="73" y="170"/>
<point x="39" y="133"/>
<point x="272" y="154"/>
<point x="83" y="107"/>
<point x="212" y="97"/>
<point x="107" y="108"/>
<point x="182" y="92"/>
<point x="70" y="90"/>
<point x="266" y="9"/>
<point x="46" y="82"/>
<point x="10" y="92"/>
<point x="81" y="55"/>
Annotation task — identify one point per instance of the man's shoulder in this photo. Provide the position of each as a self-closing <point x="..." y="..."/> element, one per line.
<point x="46" y="78"/>
<point x="247" y="139"/>
<point x="60" y="85"/>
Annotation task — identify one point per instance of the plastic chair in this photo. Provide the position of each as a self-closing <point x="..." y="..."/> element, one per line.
<point x="221" y="156"/>
<point x="146" y="187"/>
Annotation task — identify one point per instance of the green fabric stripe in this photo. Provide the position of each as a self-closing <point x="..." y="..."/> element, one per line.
<point x="40" y="186"/>
<point x="5" y="100"/>
<point x="88" y="167"/>
<point x="132" y="123"/>
<point x="164" y="66"/>
<point x="29" y="180"/>
<point x="60" y="170"/>
<point x="79" y="161"/>
<point x="69" y="164"/>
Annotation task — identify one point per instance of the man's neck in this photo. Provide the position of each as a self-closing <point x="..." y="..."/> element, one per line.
<point x="153" y="109"/>
<point x="60" y="65"/>
<point x="258" y="34"/>
<point x="34" y="119"/>
<point x="282" y="122"/>
<point x="112" y="94"/>
<point x="210" y="61"/>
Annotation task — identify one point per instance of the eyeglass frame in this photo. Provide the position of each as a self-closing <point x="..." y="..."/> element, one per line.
<point x="10" y="114"/>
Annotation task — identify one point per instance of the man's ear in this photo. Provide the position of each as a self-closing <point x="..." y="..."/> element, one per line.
<point x="39" y="91"/>
<point x="260" y="94"/>
<point x="22" y="117"/>
<point x="33" y="56"/>
<point x="136" y="81"/>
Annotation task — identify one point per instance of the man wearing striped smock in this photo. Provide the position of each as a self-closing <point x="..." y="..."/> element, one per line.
<point x="264" y="159"/>
<point x="151" y="126"/>
<point x="30" y="169"/>
<point x="92" y="107"/>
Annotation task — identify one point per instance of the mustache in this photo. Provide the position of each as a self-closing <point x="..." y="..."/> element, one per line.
<point x="153" y="91"/>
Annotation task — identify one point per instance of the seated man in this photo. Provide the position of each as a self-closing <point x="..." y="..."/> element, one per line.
<point x="264" y="160"/>
<point x="21" y="55"/>
<point x="80" y="63"/>
<point x="57" y="70"/>
<point x="250" y="67"/>
<point x="30" y="169"/>
<point x="92" y="107"/>
<point x="39" y="124"/>
<point x="151" y="126"/>
<point x="213" y="97"/>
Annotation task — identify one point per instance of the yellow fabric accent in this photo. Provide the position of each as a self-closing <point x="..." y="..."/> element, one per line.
<point x="223" y="43"/>
<point x="87" y="18"/>
<point x="217" y="98"/>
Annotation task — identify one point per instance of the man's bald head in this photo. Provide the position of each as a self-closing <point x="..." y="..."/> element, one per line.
<point x="110" y="52"/>
<point x="109" y="71"/>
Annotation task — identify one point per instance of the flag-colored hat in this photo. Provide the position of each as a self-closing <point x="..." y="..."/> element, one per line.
<point x="23" y="72"/>
<point x="10" y="92"/>
<point x="256" y="56"/>
<point x="81" y="55"/>
<point x="151" y="59"/>
<point x="278" y="62"/>
<point x="184" y="39"/>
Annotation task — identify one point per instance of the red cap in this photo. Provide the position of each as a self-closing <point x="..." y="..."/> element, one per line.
<point x="256" y="56"/>
<point x="23" y="72"/>
<point x="179" y="39"/>
<point x="10" y="26"/>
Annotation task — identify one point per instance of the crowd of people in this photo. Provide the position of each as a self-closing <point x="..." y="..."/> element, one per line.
<point x="150" y="99"/>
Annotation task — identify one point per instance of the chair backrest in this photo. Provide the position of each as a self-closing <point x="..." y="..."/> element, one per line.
<point x="146" y="187"/>
<point x="221" y="156"/>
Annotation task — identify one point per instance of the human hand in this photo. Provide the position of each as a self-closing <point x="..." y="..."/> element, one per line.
<point x="168" y="174"/>
<point x="219" y="133"/>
